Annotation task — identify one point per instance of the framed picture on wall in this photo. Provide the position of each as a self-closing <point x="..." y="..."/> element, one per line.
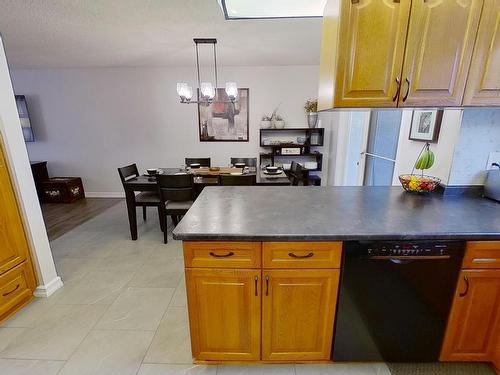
<point x="224" y="121"/>
<point x="425" y="125"/>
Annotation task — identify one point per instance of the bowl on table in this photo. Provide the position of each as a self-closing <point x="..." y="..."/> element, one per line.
<point x="418" y="184"/>
<point x="195" y="165"/>
<point x="272" y="170"/>
<point x="152" y="171"/>
<point x="239" y="165"/>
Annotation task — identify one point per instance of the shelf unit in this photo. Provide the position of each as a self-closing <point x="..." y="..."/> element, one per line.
<point x="277" y="139"/>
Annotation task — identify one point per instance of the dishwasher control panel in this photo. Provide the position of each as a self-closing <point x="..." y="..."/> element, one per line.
<point x="406" y="249"/>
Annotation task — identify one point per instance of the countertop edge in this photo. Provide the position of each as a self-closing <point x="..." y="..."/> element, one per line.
<point x="354" y="237"/>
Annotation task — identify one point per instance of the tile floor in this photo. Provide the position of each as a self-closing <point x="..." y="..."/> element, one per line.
<point x="95" y="324"/>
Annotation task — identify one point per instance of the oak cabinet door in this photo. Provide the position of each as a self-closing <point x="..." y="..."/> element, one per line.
<point x="13" y="245"/>
<point x="439" y="47"/>
<point x="224" y="313"/>
<point x="483" y="83"/>
<point x="370" y="52"/>
<point x="473" y="332"/>
<point x="298" y="312"/>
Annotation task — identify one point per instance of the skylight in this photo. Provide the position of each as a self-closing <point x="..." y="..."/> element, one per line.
<point x="261" y="9"/>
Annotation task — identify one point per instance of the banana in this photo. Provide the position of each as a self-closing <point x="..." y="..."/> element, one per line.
<point x="426" y="159"/>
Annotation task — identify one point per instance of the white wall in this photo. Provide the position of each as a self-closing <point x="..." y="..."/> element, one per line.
<point x="10" y="130"/>
<point x="479" y="135"/>
<point x="88" y="122"/>
<point x="408" y="150"/>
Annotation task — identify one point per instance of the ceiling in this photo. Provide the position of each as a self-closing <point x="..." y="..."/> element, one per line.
<point x="110" y="33"/>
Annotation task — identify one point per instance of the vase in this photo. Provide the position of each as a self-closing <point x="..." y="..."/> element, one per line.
<point x="278" y="124"/>
<point x="265" y="124"/>
<point x="312" y="119"/>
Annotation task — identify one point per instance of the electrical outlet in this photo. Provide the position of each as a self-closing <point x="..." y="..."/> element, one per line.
<point x="494" y="157"/>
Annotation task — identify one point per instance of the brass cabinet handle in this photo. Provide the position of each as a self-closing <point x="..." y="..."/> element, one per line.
<point x="354" y="1"/>
<point x="221" y="256"/>
<point x="292" y="255"/>
<point x="267" y="285"/>
<point x="256" y="285"/>
<point x="467" y="284"/>
<point x="12" y="291"/>
<point x="396" y="95"/>
<point x="407" y="89"/>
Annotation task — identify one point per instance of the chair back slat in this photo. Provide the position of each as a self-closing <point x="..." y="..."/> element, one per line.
<point x="249" y="162"/>
<point x="204" y="162"/>
<point x="128" y="172"/>
<point x="175" y="188"/>
<point x="298" y="174"/>
<point x="229" y="180"/>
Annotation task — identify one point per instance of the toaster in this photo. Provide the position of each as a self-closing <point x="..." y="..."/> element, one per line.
<point x="492" y="183"/>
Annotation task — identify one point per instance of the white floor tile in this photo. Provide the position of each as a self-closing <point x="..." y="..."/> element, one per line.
<point x="171" y="343"/>
<point x="137" y="309"/>
<point x="161" y="275"/>
<point x="29" y="367"/>
<point x="163" y="369"/>
<point x="29" y="314"/>
<point x="255" y="370"/>
<point x="7" y="335"/>
<point x="109" y="353"/>
<point x="180" y="297"/>
<point x="56" y="335"/>
<point x="96" y="287"/>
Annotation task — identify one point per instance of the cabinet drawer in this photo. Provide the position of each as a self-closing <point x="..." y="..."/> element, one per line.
<point x="302" y="254"/>
<point x="482" y="254"/>
<point x="14" y="289"/>
<point x="218" y="254"/>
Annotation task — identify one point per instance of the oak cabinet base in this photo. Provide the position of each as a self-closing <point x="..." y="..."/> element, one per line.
<point x="262" y="315"/>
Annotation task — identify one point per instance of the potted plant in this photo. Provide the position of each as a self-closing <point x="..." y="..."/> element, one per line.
<point x="265" y="123"/>
<point x="420" y="183"/>
<point x="311" y="108"/>
<point x="277" y="120"/>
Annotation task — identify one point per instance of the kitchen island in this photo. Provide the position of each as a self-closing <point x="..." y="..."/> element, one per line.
<point x="263" y="266"/>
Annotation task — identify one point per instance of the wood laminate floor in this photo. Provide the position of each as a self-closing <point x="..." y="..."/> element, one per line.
<point x="60" y="218"/>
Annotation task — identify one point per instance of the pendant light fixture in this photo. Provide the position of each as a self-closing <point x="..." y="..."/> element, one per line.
<point x="207" y="93"/>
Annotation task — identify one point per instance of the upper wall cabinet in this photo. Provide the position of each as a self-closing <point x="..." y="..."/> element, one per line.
<point x="439" y="47"/>
<point x="371" y="53"/>
<point x="483" y="84"/>
<point x="406" y="53"/>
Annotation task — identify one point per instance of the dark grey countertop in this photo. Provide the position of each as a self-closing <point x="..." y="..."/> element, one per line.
<point x="335" y="213"/>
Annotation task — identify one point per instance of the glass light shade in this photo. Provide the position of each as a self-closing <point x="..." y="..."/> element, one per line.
<point x="182" y="89"/>
<point x="207" y="90"/>
<point x="188" y="93"/>
<point x="231" y="90"/>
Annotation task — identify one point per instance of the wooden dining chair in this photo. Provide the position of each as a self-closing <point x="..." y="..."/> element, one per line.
<point x="143" y="199"/>
<point x="204" y="162"/>
<point x="230" y="180"/>
<point x="177" y="195"/>
<point x="249" y="162"/>
<point x="298" y="174"/>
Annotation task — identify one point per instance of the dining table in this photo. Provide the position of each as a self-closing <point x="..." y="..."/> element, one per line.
<point x="148" y="183"/>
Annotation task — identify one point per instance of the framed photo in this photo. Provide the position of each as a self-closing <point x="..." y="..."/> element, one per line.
<point x="224" y="122"/>
<point x="425" y="125"/>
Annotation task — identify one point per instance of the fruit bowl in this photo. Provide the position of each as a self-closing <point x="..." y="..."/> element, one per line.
<point x="418" y="184"/>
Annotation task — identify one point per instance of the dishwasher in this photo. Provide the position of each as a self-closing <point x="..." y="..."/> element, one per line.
<point x="394" y="299"/>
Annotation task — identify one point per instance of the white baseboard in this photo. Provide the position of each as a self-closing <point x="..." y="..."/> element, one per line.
<point x="44" y="291"/>
<point x="104" y="194"/>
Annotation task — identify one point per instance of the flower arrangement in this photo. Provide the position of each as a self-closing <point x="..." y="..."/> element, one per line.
<point x="311" y="105"/>
<point x="266" y="118"/>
